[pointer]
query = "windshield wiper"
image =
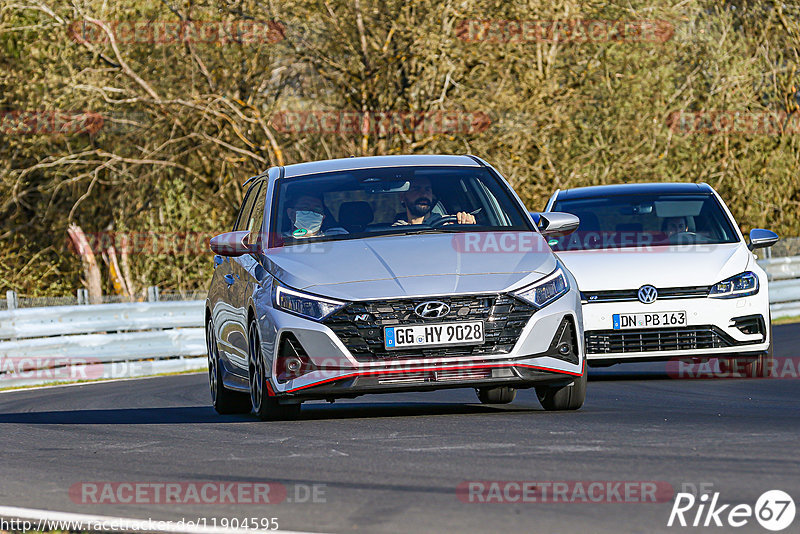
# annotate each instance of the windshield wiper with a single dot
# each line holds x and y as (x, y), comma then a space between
(462, 228)
(427, 231)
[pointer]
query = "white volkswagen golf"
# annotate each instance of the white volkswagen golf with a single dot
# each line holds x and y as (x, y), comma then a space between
(664, 273)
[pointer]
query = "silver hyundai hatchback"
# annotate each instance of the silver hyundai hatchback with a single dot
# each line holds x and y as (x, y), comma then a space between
(388, 274)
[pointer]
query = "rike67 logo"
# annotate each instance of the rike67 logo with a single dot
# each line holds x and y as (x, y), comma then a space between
(774, 510)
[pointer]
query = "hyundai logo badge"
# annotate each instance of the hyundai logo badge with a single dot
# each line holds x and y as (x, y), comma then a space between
(432, 309)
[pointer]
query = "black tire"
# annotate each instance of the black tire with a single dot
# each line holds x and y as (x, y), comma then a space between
(569, 397)
(267, 408)
(759, 366)
(499, 395)
(224, 400)
(766, 362)
(728, 366)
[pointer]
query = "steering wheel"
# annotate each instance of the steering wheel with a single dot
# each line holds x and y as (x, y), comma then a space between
(681, 238)
(444, 219)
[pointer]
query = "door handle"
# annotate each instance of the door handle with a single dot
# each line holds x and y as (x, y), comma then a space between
(229, 279)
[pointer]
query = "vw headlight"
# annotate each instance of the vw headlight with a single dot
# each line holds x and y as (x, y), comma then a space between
(546, 290)
(741, 285)
(310, 306)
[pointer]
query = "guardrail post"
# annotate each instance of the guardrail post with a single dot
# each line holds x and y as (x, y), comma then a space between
(83, 296)
(11, 300)
(153, 294)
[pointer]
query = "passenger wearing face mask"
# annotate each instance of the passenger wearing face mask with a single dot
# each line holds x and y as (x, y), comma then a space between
(307, 214)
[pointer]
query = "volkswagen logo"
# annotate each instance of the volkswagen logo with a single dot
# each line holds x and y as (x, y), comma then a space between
(432, 309)
(647, 294)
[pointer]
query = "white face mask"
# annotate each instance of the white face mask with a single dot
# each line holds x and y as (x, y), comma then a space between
(308, 220)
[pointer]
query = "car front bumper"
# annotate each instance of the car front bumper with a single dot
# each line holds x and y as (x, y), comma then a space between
(336, 372)
(712, 329)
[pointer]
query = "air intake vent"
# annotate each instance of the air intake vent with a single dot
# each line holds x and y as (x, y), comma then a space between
(750, 324)
(565, 343)
(407, 378)
(656, 339)
(463, 374)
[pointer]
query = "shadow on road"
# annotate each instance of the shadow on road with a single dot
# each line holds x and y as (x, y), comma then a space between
(627, 376)
(416, 409)
(123, 416)
(203, 414)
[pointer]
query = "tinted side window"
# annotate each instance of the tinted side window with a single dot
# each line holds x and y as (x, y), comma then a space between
(243, 220)
(256, 218)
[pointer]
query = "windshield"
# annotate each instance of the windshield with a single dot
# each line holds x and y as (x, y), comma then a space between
(392, 201)
(643, 220)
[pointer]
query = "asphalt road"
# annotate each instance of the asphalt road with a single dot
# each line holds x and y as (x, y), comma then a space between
(393, 463)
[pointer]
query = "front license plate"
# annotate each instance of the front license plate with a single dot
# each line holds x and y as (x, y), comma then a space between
(431, 335)
(622, 321)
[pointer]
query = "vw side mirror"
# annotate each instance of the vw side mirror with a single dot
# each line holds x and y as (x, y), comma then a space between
(760, 238)
(555, 223)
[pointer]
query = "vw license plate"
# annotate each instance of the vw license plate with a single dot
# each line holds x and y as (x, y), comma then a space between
(621, 321)
(427, 335)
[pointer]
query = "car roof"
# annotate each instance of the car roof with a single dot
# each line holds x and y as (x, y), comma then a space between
(672, 188)
(371, 162)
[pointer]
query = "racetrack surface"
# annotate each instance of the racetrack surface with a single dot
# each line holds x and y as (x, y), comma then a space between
(392, 463)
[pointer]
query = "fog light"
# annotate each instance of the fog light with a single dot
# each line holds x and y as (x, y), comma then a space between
(292, 361)
(293, 365)
(564, 345)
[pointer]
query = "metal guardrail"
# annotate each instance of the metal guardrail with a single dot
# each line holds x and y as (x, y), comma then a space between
(67, 343)
(781, 268)
(88, 319)
(154, 294)
(784, 285)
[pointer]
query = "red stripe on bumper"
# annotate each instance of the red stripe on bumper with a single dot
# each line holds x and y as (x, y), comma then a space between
(450, 368)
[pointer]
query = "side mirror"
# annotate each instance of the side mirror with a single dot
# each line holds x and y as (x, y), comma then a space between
(760, 238)
(555, 223)
(231, 244)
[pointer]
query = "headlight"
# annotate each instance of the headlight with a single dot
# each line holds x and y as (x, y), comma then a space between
(741, 285)
(546, 290)
(310, 306)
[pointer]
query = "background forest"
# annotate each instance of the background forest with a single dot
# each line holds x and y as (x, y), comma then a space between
(152, 135)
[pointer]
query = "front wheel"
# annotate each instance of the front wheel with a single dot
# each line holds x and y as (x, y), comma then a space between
(748, 366)
(267, 408)
(569, 397)
(499, 395)
(223, 399)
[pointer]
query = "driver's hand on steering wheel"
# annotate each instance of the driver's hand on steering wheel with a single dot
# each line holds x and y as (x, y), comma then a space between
(465, 218)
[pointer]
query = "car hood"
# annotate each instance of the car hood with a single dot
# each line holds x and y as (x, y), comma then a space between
(408, 266)
(667, 266)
